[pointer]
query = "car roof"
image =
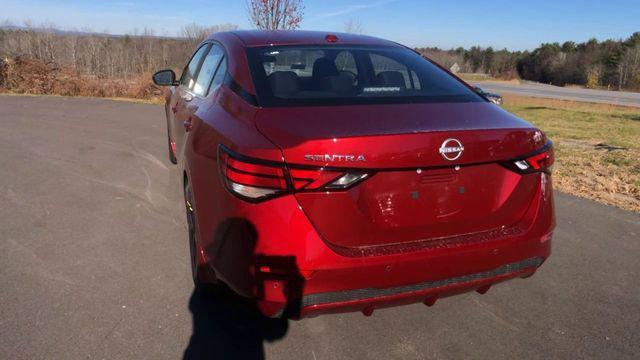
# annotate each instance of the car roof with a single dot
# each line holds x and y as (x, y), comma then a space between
(257, 38)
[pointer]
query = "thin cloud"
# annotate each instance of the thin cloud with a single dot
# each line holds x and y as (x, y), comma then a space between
(353, 8)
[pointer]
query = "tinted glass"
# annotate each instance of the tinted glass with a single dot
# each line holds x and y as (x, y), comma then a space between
(220, 74)
(189, 72)
(335, 75)
(385, 66)
(346, 64)
(207, 70)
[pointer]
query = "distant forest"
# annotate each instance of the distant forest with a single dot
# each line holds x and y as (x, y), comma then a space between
(46, 60)
(613, 64)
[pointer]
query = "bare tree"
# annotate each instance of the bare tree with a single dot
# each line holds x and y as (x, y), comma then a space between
(100, 55)
(353, 26)
(629, 66)
(195, 33)
(275, 14)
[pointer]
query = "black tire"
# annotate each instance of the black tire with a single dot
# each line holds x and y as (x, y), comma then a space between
(196, 272)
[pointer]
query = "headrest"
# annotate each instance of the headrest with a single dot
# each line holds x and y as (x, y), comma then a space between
(390, 78)
(324, 67)
(284, 83)
(338, 84)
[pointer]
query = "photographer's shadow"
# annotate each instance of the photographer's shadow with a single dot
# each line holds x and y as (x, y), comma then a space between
(227, 326)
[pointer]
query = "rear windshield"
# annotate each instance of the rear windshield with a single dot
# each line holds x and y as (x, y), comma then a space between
(347, 75)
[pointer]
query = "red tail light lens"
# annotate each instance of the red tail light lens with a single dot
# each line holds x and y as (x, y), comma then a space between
(251, 181)
(541, 161)
(256, 180)
(312, 179)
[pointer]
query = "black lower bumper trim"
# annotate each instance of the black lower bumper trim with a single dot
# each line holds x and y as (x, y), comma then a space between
(372, 293)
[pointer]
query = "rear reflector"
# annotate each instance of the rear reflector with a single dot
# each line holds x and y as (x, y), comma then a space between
(257, 180)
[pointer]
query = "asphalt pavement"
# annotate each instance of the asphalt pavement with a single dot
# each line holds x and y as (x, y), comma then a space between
(563, 93)
(94, 264)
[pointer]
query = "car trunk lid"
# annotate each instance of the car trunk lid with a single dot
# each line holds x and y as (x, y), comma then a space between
(434, 170)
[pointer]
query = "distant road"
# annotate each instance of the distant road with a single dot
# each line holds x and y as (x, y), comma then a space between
(556, 92)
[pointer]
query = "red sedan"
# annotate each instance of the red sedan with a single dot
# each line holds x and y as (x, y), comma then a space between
(328, 173)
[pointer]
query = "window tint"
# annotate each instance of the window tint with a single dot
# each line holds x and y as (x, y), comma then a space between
(207, 70)
(299, 62)
(346, 64)
(345, 75)
(220, 74)
(189, 73)
(385, 67)
(416, 81)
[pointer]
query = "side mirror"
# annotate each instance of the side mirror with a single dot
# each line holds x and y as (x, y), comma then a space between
(165, 78)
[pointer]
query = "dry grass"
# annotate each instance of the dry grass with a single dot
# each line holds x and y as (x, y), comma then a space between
(28, 76)
(475, 78)
(597, 147)
(472, 77)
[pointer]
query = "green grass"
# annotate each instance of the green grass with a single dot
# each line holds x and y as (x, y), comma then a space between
(597, 147)
(617, 127)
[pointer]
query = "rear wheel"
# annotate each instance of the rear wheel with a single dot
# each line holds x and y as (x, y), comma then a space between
(198, 271)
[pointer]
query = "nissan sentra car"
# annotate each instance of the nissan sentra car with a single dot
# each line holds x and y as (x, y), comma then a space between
(329, 173)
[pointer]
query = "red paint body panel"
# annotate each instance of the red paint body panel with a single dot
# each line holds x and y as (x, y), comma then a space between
(418, 130)
(418, 227)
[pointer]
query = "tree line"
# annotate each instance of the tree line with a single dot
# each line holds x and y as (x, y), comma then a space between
(614, 64)
(102, 55)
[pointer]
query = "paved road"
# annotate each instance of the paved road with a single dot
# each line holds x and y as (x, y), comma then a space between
(556, 92)
(94, 264)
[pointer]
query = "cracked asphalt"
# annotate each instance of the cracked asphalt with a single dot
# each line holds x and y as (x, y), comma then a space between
(94, 264)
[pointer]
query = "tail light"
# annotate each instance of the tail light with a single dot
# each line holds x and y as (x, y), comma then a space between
(540, 161)
(257, 180)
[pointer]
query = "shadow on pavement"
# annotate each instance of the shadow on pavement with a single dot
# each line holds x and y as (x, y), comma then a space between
(227, 326)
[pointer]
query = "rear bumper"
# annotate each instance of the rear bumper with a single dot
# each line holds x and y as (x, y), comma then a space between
(366, 300)
(372, 293)
(381, 282)
(271, 251)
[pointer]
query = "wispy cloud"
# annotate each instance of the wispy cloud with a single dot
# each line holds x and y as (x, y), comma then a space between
(348, 9)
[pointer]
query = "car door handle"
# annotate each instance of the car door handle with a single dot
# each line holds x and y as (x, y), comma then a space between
(188, 125)
(187, 97)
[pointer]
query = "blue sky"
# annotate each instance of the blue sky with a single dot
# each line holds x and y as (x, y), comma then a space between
(514, 24)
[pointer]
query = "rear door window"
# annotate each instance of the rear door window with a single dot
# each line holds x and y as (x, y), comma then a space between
(190, 71)
(220, 74)
(207, 70)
